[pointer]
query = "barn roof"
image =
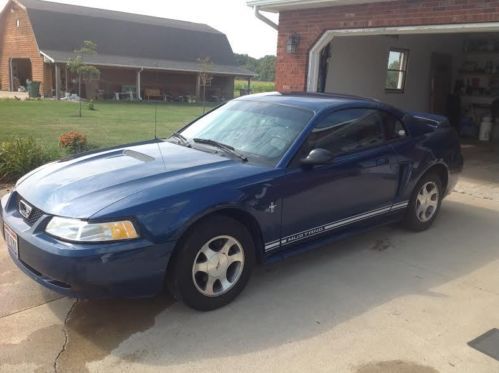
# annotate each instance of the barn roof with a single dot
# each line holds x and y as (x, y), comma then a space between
(129, 40)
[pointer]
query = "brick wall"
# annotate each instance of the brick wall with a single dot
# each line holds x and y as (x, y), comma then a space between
(19, 42)
(291, 69)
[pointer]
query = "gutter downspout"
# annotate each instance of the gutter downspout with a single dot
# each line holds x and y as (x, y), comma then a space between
(264, 19)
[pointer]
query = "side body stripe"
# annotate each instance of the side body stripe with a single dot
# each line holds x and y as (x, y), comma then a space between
(270, 246)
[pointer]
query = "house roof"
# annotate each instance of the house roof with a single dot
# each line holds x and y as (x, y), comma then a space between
(283, 5)
(129, 40)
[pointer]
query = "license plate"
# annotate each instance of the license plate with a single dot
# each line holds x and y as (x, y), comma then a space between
(11, 240)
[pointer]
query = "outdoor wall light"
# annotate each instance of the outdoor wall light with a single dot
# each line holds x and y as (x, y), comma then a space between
(292, 45)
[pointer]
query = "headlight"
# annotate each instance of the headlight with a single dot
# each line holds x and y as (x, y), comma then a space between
(79, 230)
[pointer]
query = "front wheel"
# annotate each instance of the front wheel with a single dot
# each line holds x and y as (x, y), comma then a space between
(213, 264)
(425, 203)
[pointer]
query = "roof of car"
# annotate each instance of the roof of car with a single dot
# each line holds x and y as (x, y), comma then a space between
(311, 101)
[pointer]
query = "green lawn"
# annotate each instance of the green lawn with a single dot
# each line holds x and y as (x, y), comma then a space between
(112, 123)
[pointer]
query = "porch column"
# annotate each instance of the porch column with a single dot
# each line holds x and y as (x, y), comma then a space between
(198, 87)
(139, 97)
(11, 76)
(57, 81)
(249, 85)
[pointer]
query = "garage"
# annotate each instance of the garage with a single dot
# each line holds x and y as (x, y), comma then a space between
(452, 74)
(438, 56)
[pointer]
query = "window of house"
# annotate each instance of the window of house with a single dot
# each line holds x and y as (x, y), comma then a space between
(397, 70)
(18, 22)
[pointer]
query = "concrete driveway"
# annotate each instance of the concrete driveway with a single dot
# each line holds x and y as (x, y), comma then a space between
(386, 301)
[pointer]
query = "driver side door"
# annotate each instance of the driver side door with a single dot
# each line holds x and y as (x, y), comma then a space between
(359, 184)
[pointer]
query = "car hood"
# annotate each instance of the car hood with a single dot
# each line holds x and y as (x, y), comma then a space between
(82, 186)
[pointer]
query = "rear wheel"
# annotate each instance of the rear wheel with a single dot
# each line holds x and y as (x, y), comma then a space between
(213, 264)
(425, 203)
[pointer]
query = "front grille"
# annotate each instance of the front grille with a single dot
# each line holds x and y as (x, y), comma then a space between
(35, 214)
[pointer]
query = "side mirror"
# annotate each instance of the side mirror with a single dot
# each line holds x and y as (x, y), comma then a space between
(317, 156)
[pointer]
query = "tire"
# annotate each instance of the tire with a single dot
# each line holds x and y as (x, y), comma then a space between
(213, 263)
(425, 203)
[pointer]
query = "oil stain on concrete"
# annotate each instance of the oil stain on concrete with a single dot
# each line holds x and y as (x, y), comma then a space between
(95, 328)
(395, 366)
(381, 245)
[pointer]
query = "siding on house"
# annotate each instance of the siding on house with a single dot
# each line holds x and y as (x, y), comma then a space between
(310, 24)
(19, 42)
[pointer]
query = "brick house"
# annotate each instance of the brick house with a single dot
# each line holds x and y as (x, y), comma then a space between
(410, 53)
(147, 56)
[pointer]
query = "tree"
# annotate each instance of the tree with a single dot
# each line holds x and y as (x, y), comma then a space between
(266, 68)
(205, 76)
(263, 67)
(77, 65)
(393, 75)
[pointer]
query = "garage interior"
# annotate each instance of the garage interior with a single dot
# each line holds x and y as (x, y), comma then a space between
(453, 74)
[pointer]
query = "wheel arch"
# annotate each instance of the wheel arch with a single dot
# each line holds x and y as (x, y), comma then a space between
(234, 212)
(441, 170)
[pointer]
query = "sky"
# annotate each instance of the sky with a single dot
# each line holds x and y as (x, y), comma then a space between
(247, 35)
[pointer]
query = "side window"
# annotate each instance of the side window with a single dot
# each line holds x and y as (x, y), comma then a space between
(348, 130)
(394, 129)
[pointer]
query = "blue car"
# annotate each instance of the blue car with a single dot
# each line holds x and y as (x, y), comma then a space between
(257, 179)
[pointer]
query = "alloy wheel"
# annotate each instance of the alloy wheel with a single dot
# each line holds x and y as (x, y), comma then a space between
(427, 201)
(218, 266)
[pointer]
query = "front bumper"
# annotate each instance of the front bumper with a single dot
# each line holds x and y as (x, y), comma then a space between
(126, 269)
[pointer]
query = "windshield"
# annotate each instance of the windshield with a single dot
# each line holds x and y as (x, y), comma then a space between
(256, 129)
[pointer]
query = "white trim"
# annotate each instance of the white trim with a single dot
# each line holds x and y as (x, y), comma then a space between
(400, 205)
(325, 39)
(311, 232)
(45, 55)
(273, 244)
(18, 4)
(279, 5)
(358, 218)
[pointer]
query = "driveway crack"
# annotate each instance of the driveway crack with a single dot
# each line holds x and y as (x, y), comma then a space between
(66, 335)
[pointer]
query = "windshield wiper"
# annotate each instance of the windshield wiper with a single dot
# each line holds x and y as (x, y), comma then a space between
(226, 148)
(181, 138)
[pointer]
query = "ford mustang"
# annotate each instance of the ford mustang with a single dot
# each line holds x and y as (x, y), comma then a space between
(257, 179)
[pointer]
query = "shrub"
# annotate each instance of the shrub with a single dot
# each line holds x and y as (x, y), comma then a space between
(20, 156)
(73, 142)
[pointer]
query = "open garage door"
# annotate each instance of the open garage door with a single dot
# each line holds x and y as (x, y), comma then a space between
(413, 72)
(444, 72)
(414, 68)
